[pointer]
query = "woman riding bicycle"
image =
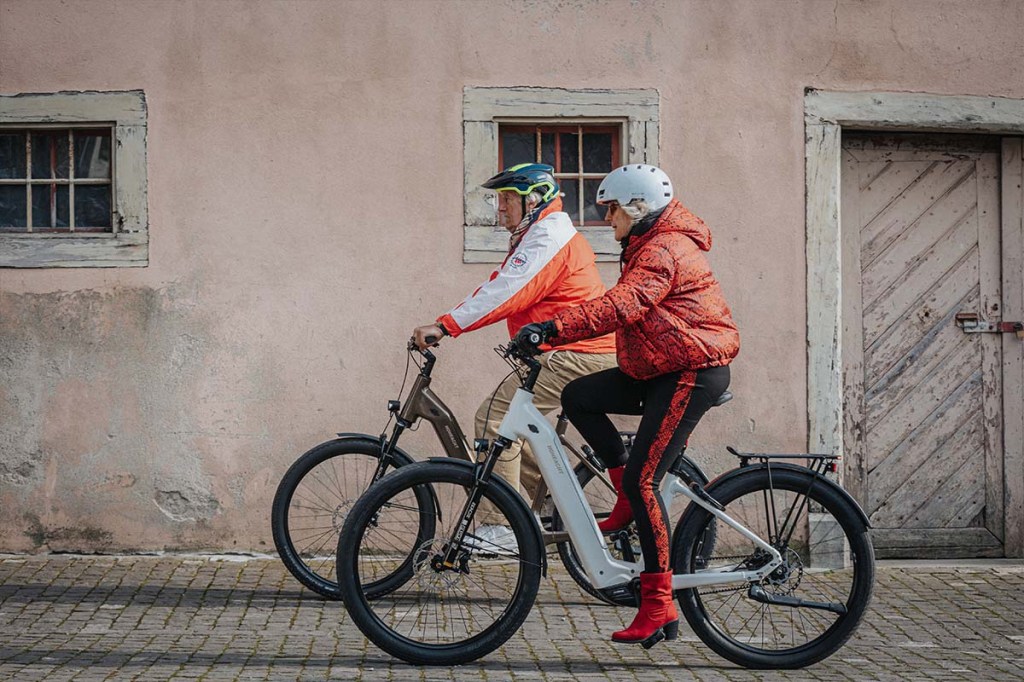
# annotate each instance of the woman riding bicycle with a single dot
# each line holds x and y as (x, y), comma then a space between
(674, 340)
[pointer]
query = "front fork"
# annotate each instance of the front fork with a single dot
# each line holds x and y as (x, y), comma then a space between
(450, 556)
(387, 451)
(387, 456)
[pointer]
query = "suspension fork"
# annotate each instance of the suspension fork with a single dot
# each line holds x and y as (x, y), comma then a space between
(387, 452)
(481, 480)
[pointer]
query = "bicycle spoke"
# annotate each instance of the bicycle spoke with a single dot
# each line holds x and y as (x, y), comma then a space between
(437, 604)
(798, 604)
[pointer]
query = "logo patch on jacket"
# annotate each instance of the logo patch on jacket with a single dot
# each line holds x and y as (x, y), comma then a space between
(518, 261)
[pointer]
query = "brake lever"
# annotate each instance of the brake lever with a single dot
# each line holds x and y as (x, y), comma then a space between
(433, 341)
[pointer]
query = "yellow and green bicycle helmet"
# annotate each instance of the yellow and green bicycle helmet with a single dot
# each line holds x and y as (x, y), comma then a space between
(525, 178)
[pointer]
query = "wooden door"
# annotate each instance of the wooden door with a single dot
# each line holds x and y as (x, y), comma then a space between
(922, 398)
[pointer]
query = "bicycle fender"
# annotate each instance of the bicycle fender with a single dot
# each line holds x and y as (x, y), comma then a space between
(377, 440)
(729, 475)
(507, 487)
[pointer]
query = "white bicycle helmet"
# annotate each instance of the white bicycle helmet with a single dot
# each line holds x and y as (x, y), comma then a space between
(637, 181)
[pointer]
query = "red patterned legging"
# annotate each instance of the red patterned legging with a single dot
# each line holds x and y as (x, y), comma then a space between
(671, 405)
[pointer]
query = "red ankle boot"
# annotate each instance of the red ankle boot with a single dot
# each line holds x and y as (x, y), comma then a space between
(657, 618)
(621, 513)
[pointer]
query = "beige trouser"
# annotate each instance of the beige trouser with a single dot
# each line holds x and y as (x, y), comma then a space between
(517, 465)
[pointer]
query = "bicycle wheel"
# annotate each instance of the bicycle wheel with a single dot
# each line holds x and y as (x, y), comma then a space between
(810, 605)
(443, 615)
(312, 501)
(602, 498)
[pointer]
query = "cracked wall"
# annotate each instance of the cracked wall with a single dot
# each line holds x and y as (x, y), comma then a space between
(305, 201)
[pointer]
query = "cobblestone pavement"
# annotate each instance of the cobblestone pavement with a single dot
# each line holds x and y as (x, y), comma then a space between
(228, 618)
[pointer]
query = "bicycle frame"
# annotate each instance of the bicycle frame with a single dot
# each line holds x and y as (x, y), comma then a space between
(423, 403)
(525, 421)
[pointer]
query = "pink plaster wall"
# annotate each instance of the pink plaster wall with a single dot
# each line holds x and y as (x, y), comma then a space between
(305, 175)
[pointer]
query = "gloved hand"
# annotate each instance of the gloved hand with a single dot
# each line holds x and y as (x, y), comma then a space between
(532, 335)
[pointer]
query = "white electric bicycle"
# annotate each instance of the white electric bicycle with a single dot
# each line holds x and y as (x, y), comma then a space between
(773, 562)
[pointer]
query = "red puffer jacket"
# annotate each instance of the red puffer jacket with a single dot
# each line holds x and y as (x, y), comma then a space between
(667, 307)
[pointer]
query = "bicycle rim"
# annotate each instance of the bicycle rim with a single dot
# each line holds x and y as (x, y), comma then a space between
(439, 614)
(312, 502)
(809, 606)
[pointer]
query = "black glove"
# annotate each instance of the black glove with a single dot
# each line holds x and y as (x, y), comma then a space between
(532, 335)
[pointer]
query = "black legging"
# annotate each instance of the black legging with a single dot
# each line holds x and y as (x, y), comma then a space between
(671, 405)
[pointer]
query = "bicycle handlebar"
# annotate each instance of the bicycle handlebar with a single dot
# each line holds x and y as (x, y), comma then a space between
(425, 352)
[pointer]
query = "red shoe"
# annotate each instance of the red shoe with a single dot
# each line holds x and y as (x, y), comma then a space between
(621, 514)
(657, 618)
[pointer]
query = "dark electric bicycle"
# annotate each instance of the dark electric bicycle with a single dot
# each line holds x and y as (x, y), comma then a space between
(317, 492)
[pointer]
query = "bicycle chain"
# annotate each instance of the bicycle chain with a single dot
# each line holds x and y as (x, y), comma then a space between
(721, 590)
(741, 557)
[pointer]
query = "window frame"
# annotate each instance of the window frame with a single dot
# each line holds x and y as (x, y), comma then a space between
(127, 244)
(485, 108)
(614, 126)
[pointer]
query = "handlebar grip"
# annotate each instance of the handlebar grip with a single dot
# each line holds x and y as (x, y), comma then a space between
(431, 339)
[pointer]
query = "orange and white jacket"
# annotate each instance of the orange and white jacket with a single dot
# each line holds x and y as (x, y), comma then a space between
(551, 268)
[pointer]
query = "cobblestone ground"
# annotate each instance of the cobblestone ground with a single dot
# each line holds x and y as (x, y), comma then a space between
(202, 618)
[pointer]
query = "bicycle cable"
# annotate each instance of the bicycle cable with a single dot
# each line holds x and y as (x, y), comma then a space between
(490, 403)
(405, 378)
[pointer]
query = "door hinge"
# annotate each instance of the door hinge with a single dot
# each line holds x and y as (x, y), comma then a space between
(971, 323)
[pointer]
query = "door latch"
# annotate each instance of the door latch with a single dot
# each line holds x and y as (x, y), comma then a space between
(971, 323)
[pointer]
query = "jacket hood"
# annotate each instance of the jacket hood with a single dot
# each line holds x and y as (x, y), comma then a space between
(677, 218)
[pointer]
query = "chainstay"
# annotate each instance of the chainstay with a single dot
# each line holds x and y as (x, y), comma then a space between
(722, 590)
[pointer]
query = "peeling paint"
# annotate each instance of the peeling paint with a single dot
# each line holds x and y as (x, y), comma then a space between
(189, 505)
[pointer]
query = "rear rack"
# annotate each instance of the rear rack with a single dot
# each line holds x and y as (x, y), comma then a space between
(820, 463)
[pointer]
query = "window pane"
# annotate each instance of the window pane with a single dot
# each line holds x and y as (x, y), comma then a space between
(597, 152)
(570, 150)
(518, 148)
(593, 213)
(50, 155)
(92, 206)
(92, 154)
(570, 201)
(50, 206)
(12, 155)
(12, 208)
(547, 149)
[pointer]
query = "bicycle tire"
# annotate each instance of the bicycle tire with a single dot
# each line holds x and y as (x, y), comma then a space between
(567, 553)
(364, 517)
(837, 517)
(306, 563)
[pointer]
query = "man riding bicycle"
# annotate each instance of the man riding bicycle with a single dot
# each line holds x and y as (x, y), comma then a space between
(549, 266)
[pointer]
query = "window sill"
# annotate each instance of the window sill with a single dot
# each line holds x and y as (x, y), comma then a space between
(125, 249)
